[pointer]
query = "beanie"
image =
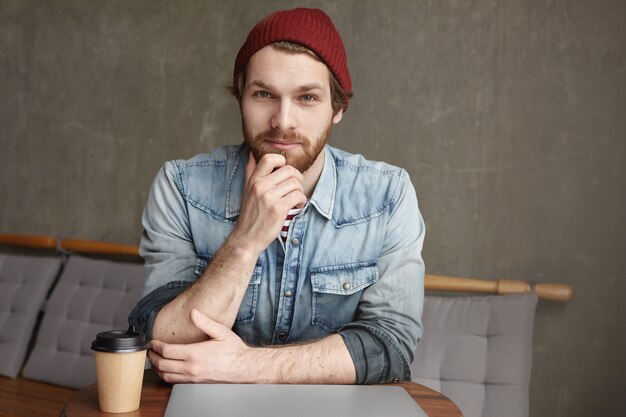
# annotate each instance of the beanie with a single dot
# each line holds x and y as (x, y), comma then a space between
(311, 28)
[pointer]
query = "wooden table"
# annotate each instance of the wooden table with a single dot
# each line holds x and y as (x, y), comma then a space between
(155, 394)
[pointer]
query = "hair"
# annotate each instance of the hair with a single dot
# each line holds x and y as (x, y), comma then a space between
(339, 97)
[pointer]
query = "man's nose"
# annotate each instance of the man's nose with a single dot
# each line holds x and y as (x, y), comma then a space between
(284, 117)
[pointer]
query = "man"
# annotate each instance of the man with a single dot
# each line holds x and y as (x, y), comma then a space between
(283, 260)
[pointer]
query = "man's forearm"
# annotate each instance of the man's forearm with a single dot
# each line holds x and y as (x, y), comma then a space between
(217, 294)
(326, 361)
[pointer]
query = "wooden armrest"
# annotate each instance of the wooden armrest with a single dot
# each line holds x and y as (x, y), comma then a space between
(29, 241)
(554, 292)
(95, 247)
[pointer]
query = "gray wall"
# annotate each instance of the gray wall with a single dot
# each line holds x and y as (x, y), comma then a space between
(509, 116)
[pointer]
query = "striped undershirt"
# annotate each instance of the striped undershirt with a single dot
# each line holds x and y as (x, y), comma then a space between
(290, 215)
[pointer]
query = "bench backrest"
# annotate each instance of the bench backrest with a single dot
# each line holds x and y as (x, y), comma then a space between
(477, 351)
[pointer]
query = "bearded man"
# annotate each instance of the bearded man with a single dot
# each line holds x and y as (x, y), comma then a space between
(283, 259)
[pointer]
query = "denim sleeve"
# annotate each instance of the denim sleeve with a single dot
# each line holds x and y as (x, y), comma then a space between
(383, 337)
(166, 246)
(143, 315)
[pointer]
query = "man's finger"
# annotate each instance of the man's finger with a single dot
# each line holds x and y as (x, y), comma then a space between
(295, 199)
(165, 365)
(267, 164)
(169, 351)
(286, 172)
(174, 378)
(209, 326)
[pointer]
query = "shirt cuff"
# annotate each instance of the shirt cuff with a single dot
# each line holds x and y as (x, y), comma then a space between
(377, 358)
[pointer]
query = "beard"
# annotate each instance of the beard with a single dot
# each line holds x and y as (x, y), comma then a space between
(302, 159)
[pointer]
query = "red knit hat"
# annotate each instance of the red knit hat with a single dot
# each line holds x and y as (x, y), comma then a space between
(311, 28)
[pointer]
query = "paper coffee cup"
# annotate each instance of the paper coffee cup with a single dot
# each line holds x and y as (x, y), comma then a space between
(120, 360)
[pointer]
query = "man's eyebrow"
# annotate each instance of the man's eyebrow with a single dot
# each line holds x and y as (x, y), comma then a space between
(260, 84)
(301, 89)
(309, 87)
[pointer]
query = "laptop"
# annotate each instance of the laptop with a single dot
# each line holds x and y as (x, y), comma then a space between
(238, 400)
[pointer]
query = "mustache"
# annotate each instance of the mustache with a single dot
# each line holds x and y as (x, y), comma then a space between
(280, 136)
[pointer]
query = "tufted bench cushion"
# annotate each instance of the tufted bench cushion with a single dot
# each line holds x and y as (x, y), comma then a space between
(24, 283)
(477, 351)
(91, 296)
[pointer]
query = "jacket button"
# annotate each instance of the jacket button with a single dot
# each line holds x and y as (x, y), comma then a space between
(288, 293)
(282, 336)
(295, 241)
(346, 285)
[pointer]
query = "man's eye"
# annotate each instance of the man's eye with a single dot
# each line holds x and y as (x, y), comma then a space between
(262, 94)
(308, 98)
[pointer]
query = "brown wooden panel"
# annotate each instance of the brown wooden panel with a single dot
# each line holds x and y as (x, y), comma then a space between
(554, 292)
(101, 248)
(28, 241)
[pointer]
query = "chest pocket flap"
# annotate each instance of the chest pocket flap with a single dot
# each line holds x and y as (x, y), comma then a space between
(344, 279)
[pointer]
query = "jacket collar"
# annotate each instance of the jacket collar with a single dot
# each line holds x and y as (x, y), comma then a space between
(323, 198)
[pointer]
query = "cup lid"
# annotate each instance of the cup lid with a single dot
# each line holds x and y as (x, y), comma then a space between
(120, 341)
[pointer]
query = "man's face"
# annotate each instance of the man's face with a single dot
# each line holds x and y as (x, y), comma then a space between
(286, 106)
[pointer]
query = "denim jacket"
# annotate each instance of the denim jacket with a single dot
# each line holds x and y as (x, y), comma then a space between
(351, 263)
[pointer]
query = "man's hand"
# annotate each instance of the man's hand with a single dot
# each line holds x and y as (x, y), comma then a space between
(215, 360)
(272, 188)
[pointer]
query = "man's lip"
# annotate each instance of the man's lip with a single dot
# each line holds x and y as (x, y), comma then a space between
(282, 144)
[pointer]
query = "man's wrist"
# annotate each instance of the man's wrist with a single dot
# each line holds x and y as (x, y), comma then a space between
(243, 248)
(253, 366)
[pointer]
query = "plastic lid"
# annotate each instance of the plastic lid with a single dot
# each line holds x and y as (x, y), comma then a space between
(120, 341)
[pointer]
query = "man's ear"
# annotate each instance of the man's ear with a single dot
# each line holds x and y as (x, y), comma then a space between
(337, 117)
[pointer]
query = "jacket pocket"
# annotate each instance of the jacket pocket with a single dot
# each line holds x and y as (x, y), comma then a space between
(247, 309)
(337, 291)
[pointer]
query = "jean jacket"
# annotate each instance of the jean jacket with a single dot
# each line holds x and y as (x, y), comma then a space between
(351, 263)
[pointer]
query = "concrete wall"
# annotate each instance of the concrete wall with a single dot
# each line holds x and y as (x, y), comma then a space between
(509, 116)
